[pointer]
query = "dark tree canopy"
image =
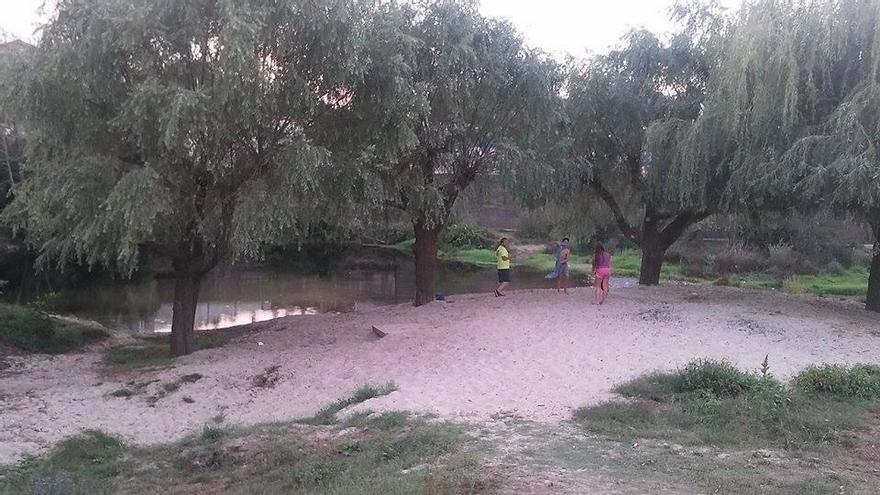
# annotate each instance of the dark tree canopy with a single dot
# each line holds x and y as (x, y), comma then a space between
(624, 112)
(450, 95)
(183, 128)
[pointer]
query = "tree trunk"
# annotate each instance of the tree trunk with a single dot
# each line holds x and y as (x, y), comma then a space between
(873, 302)
(427, 243)
(186, 295)
(653, 251)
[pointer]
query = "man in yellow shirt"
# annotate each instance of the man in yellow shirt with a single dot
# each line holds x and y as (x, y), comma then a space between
(503, 257)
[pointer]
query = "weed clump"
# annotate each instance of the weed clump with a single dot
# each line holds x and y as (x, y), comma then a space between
(859, 381)
(35, 331)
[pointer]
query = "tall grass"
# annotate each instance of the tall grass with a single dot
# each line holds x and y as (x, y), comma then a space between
(712, 402)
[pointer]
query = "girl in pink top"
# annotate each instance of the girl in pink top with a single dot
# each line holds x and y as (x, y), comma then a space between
(601, 273)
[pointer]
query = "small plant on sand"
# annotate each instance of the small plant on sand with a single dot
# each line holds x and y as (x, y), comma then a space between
(327, 416)
(765, 367)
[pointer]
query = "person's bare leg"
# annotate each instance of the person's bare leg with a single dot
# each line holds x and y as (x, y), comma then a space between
(564, 283)
(558, 283)
(502, 286)
(597, 288)
(604, 290)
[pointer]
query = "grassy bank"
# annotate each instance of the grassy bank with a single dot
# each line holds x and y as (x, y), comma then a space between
(370, 453)
(34, 331)
(155, 351)
(851, 281)
(626, 262)
(722, 430)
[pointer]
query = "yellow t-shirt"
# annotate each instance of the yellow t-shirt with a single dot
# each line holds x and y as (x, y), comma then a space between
(503, 258)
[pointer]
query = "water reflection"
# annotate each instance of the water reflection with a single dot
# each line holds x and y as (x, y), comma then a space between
(234, 296)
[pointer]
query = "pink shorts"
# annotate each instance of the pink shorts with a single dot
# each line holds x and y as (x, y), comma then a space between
(603, 272)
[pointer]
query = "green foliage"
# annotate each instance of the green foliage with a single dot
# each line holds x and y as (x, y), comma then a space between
(450, 95)
(327, 415)
(858, 381)
(183, 129)
(708, 402)
(80, 464)
(276, 458)
(154, 352)
(468, 235)
(35, 331)
(738, 259)
(718, 378)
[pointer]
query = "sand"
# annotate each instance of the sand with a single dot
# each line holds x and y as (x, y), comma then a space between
(536, 354)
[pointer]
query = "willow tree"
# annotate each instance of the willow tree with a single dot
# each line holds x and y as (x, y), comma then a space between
(809, 75)
(615, 150)
(179, 128)
(13, 55)
(449, 95)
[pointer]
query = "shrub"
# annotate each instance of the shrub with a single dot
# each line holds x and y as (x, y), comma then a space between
(862, 256)
(782, 260)
(468, 235)
(720, 378)
(535, 225)
(794, 285)
(35, 331)
(738, 259)
(26, 328)
(859, 381)
(835, 268)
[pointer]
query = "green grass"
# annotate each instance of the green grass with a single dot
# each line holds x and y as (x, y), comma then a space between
(713, 403)
(481, 257)
(327, 415)
(626, 263)
(155, 351)
(852, 282)
(377, 457)
(34, 331)
(858, 381)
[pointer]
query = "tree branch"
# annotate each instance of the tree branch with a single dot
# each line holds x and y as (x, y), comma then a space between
(628, 230)
(680, 223)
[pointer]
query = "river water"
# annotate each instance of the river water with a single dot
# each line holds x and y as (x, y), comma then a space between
(233, 296)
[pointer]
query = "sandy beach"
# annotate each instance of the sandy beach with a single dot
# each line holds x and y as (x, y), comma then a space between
(536, 354)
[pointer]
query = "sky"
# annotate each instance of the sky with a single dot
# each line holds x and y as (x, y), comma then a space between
(561, 27)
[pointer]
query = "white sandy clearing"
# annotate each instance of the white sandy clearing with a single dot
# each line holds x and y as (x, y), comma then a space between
(537, 354)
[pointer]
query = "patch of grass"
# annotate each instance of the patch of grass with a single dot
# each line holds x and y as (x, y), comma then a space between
(858, 381)
(90, 462)
(35, 331)
(713, 403)
(416, 456)
(327, 415)
(381, 421)
(155, 351)
(851, 282)
(481, 257)
(212, 433)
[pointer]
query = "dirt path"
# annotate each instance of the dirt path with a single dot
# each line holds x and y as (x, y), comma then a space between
(535, 354)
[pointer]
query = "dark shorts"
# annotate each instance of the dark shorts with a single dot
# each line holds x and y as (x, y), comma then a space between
(504, 275)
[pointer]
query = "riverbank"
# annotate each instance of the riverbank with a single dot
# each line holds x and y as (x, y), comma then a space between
(534, 354)
(846, 282)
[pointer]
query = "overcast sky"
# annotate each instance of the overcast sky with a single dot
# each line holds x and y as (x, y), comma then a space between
(558, 26)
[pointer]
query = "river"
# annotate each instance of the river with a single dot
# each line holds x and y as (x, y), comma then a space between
(233, 295)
